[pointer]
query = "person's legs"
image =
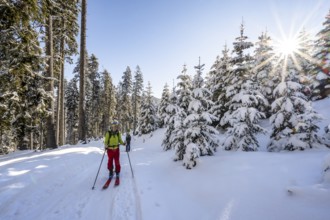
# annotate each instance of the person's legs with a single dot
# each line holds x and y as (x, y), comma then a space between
(117, 162)
(111, 155)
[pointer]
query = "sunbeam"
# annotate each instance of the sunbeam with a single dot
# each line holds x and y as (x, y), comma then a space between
(289, 49)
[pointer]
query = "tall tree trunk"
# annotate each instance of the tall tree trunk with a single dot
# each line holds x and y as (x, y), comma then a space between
(61, 95)
(135, 116)
(81, 126)
(106, 116)
(31, 140)
(41, 135)
(58, 112)
(1, 137)
(50, 139)
(63, 114)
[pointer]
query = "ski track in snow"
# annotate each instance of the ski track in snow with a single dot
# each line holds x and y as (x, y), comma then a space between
(125, 203)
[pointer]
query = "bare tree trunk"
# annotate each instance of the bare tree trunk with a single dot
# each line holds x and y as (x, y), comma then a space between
(135, 115)
(58, 112)
(41, 135)
(1, 137)
(50, 139)
(106, 116)
(64, 119)
(61, 95)
(31, 140)
(81, 126)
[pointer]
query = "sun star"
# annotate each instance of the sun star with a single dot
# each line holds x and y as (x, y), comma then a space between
(287, 47)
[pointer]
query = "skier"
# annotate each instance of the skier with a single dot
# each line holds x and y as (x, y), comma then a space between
(112, 141)
(128, 142)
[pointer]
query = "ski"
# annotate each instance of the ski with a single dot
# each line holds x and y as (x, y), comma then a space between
(107, 183)
(117, 181)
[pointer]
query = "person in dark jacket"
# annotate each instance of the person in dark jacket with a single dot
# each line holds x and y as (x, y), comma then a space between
(128, 142)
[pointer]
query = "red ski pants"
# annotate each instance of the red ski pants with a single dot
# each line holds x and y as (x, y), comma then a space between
(113, 155)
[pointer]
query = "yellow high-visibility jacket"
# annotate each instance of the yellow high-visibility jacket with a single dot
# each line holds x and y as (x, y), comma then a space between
(112, 139)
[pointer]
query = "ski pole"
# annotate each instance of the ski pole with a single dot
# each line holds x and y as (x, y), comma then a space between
(98, 170)
(130, 164)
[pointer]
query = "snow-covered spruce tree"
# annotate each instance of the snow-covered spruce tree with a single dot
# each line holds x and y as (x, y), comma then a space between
(306, 121)
(321, 71)
(184, 89)
(21, 64)
(184, 98)
(199, 137)
(119, 103)
(37, 109)
(293, 119)
(93, 97)
(284, 119)
(126, 107)
(264, 62)
(304, 61)
(72, 97)
(177, 136)
(244, 121)
(241, 70)
(211, 78)
(108, 101)
(245, 101)
(164, 102)
(6, 135)
(6, 93)
(216, 83)
(148, 117)
(137, 96)
(172, 111)
(307, 128)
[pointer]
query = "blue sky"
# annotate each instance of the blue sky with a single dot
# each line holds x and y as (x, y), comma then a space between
(162, 35)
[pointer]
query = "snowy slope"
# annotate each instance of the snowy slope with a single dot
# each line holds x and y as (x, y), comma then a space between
(56, 184)
(233, 185)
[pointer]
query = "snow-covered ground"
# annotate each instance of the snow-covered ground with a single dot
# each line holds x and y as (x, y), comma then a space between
(57, 184)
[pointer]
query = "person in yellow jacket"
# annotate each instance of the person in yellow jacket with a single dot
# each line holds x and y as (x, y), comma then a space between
(112, 141)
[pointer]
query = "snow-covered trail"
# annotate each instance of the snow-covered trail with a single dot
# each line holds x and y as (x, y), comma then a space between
(57, 184)
(63, 179)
